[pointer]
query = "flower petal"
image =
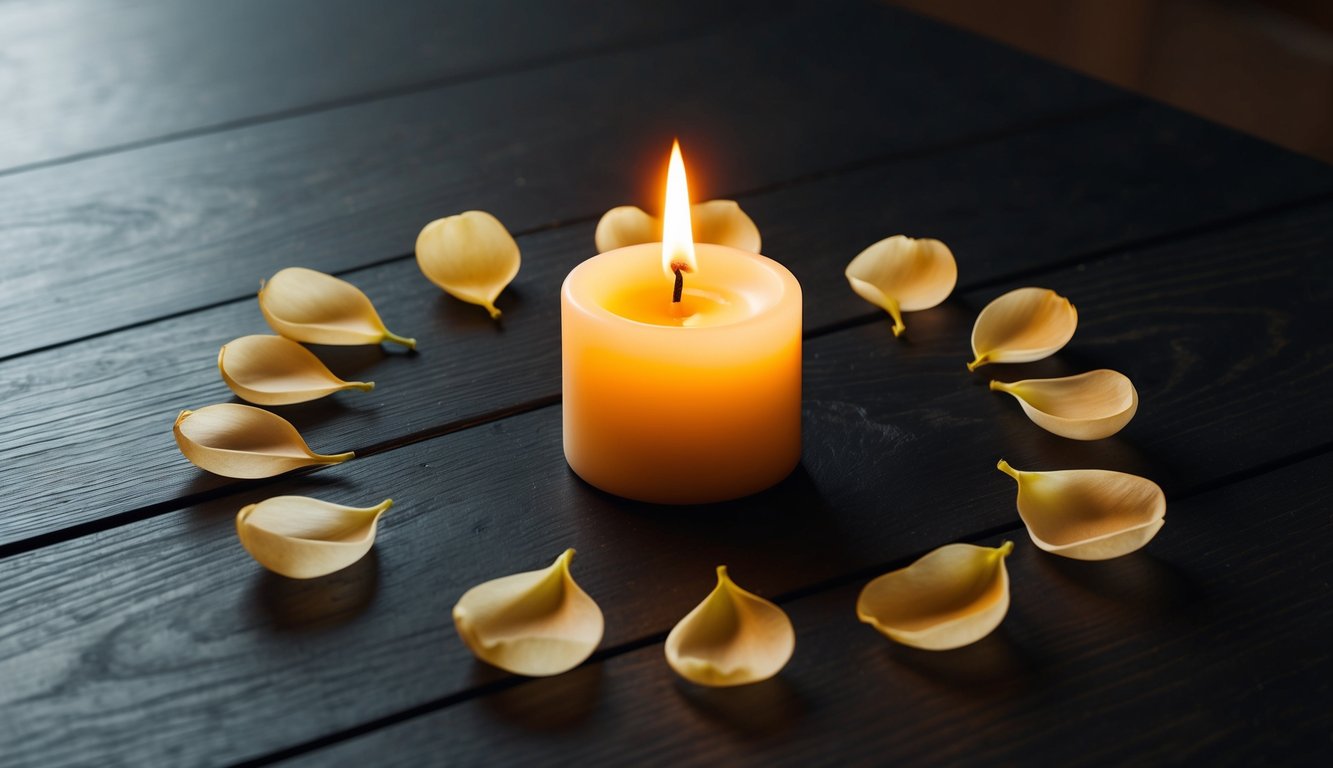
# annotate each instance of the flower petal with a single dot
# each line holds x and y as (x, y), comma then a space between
(903, 274)
(536, 623)
(949, 598)
(272, 370)
(721, 222)
(1023, 325)
(471, 256)
(242, 441)
(1089, 406)
(732, 638)
(1088, 514)
(305, 305)
(303, 538)
(624, 226)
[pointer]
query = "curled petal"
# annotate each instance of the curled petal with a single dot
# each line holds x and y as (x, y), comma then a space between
(626, 225)
(272, 370)
(242, 441)
(1088, 406)
(903, 274)
(949, 598)
(303, 538)
(305, 305)
(537, 623)
(1088, 514)
(1023, 325)
(732, 638)
(721, 222)
(470, 256)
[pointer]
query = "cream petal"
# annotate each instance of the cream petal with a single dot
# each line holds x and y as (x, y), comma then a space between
(1023, 325)
(903, 274)
(1089, 406)
(1088, 514)
(305, 305)
(537, 623)
(732, 638)
(303, 538)
(951, 597)
(471, 256)
(721, 222)
(624, 226)
(242, 441)
(273, 370)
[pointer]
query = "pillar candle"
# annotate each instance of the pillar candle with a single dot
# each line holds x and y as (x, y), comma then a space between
(681, 402)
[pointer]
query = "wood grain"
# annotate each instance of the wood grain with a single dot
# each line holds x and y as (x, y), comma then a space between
(1196, 650)
(87, 424)
(135, 236)
(163, 629)
(88, 76)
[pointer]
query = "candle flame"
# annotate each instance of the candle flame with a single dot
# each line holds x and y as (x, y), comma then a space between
(677, 231)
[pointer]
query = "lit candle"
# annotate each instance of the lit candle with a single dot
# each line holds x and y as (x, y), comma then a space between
(682, 366)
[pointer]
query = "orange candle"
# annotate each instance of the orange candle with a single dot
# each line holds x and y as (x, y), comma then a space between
(682, 401)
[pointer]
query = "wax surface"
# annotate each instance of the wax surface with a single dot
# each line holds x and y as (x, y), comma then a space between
(687, 404)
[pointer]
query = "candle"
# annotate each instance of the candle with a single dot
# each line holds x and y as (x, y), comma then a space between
(682, 366)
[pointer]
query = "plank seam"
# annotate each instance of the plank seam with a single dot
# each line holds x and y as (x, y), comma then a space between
(827, 585)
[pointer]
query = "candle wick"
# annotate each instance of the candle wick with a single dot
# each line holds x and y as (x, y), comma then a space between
(680, 286)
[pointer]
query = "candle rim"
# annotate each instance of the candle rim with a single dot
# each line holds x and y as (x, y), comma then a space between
(785, 281)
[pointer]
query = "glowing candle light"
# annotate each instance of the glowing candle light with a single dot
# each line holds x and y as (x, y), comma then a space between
(682, 366)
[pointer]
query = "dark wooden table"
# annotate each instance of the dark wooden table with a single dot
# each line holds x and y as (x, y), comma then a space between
(159, 158)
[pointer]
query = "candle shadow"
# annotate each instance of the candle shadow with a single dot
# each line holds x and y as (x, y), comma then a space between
(767, 539)
(791, 507)
(769, 707)
(546, 704)
(311, 605)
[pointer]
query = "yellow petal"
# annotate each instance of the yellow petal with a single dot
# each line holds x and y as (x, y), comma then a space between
(947, 599)
(471, 256)
(903, 274)
(624, 226)
(272, 370)
(242, 441)
(1023, 325)
(732, 638)
(1088, 514)
(1088, 406)
(721, 222)
(305, 305)
(303, 538)
(537, 623)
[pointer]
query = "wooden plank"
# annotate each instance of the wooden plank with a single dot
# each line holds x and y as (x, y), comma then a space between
(1212, 646)
(87, 425)
(82, 77)
(126, 238)
(165, 629)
